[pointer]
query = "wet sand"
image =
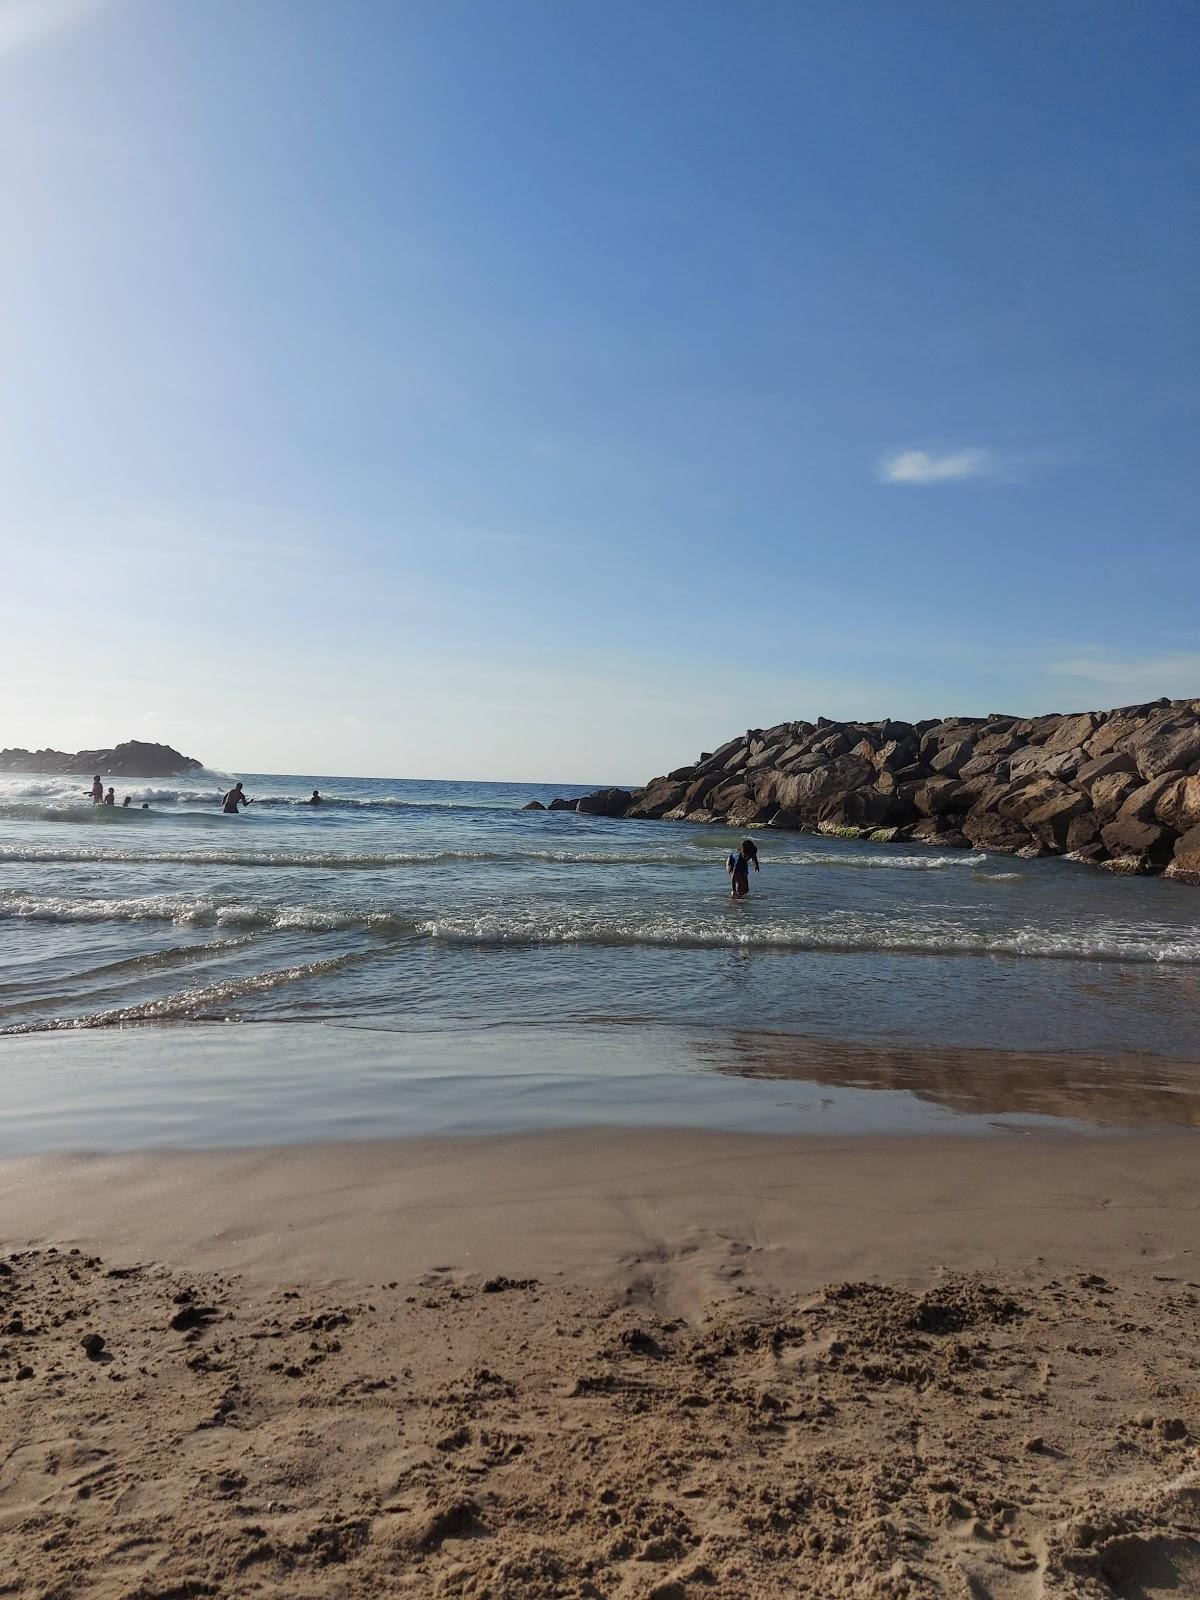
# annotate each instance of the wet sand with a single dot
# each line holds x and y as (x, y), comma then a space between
(606, 1364)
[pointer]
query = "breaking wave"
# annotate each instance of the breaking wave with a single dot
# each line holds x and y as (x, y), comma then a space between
(836, 933)
(350, 860)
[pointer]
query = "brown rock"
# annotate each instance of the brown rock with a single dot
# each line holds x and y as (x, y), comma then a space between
(895, 754)
(1140, 803)
(1110, 793)
(1178, 806)
(725, 796)
(1129, 836)
(661, 796)
(1048, 810)
(799, 791)
(1104, 767)
(988, 830)
(1046, 763)
(1185, 863)
(1170, 745)
(951, 758)
(862, 808)
(996, 744)
(605, 803)
(1071, 732)
(983, 766)
(931, 798)
(1083, 832)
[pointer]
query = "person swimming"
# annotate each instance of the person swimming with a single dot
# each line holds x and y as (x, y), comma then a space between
(737, 865)
(128, 800)
(234, 799)
(316, 798)
(110, 799)
(97, 790)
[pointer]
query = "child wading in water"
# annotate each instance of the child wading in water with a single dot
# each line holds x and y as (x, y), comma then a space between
(737, 865)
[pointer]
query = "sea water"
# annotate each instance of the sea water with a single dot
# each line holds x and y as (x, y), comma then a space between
(423, 905)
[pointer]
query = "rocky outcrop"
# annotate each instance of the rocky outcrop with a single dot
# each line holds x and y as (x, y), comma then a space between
(133, 759)
(1118, 788)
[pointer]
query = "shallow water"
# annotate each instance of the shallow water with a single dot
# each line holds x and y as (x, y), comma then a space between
(424, 906)
(191, 1086)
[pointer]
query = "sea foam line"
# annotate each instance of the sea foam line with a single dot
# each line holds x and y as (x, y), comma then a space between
(85, 855)
(731, 930)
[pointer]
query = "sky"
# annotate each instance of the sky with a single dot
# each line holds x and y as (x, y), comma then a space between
(548, 390)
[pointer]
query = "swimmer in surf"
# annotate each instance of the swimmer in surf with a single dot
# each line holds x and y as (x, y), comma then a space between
(737, 865)
(316, 798)
(234, 799)
(110, 799)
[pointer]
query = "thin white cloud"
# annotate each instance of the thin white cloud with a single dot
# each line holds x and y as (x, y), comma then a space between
(1175, 673)
(30, 22)
(918, 466)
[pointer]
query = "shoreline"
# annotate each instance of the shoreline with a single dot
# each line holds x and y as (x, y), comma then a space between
(257, 1085)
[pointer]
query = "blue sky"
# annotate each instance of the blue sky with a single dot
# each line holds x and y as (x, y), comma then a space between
(549, 390)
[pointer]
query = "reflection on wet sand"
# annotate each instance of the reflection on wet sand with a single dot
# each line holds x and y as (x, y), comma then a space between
(1111, 1090)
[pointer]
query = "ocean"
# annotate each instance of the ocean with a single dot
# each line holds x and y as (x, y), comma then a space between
(426, 908)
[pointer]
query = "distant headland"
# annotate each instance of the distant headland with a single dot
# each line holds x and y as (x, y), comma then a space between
(133, 759)
(1118, 788)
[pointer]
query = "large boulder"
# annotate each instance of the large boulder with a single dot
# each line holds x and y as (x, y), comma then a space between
(1083, 835)
(1178, 805)
(988, 830)
(996, 743)
(984, 766)
(1141, 802)
(800, 791)
(951, 758)
(1130, 836)
(1109, 793)
(896, 754)
(605, 803)
(734, 792)
(1185, 862)
(931, 798)
(1168, 746)
(862, 808)
(1047, 810)
(1104, 767)
(661, 795)
(1071, 732)
(1048, 763)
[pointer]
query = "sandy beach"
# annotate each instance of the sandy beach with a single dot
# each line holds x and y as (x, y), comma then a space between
(605, 1364)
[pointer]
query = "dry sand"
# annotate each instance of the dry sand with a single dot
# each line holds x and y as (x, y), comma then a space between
(596, 1365)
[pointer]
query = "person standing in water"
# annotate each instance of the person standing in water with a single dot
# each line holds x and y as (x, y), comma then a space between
(110, 799)
(737, 865)
(234, 799)
(316, 798)
(97, 790)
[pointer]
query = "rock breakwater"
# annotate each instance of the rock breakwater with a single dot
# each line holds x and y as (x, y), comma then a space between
(1120, 788)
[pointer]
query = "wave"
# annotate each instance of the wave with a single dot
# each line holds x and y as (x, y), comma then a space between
(100, 855)
(146, 961)
(190, 1003)
(531, 927)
